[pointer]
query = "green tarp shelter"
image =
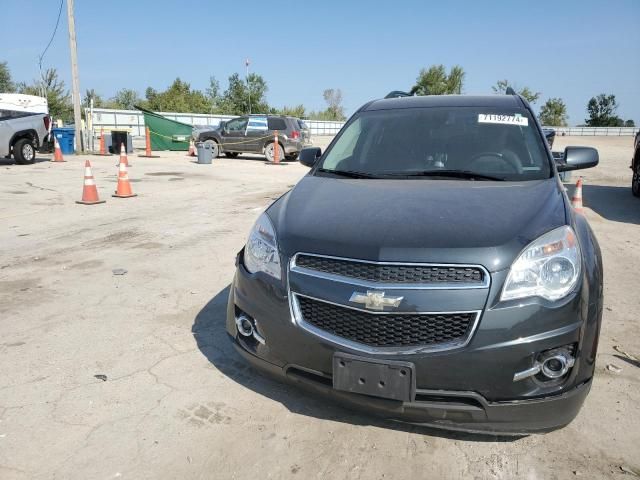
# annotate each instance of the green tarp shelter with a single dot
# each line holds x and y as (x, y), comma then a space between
(166, 134)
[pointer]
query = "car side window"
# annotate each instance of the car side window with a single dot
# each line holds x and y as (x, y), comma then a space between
(275, 123)
(237, 124)
(257, 124)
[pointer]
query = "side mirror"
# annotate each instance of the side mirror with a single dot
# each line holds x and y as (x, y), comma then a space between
(309, 156)
(577, 158)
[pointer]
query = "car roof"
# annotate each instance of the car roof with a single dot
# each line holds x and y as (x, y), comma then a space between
(498, 101)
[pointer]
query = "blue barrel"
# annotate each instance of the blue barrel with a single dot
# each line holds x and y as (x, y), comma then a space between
(65, 136)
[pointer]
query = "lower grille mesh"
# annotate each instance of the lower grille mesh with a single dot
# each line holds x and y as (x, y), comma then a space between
(387, 330)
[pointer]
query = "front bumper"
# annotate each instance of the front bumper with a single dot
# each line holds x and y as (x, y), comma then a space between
(469, 388)
(460, 411)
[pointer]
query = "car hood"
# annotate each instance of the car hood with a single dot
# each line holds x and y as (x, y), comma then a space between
(417, 220)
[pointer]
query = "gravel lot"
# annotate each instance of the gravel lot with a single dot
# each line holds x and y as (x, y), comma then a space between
(178, 402)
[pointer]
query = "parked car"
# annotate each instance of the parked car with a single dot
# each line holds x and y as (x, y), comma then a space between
(255, 134)
(635, 166)
(430, 269)
(24, 126)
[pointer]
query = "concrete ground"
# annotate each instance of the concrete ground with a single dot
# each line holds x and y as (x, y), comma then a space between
(132, 376)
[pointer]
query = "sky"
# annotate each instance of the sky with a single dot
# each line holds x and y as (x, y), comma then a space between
(572, 49)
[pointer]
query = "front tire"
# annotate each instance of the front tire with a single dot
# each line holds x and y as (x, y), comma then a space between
(269, 152)
(635, 181)
(23, 152)
(291, 158)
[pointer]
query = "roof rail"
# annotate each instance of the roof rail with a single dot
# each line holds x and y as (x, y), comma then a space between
(397, 94)
(510, 91)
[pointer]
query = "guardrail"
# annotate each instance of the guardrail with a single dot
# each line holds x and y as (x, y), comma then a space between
(596, 131)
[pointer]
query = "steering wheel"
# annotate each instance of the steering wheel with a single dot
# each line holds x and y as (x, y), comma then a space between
(508, 159)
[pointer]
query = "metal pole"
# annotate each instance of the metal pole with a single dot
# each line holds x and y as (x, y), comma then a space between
(246, 64)
(90, 125)
(75, 83)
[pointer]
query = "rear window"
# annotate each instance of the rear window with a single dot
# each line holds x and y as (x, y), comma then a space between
(276, 123)
(504, 144)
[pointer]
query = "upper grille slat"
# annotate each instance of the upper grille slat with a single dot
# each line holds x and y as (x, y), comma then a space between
(388, 330)
(394, 274)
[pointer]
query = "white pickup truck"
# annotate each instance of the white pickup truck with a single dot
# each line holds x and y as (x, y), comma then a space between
(24, 126)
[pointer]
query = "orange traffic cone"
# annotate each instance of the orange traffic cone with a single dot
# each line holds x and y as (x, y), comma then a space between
(192, 149)
(103, 148)
(57, 153)
(123, 156)
(124, 186)
(576, 201)
(276, 152)
(89, 191)
(147, 150)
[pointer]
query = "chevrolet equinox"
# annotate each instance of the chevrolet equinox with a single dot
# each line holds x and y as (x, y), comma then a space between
(429, 269)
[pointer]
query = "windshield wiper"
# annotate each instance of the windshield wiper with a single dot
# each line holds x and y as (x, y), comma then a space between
(347, 173)
(448, 173)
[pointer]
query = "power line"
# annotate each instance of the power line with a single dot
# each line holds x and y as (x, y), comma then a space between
(52, 35)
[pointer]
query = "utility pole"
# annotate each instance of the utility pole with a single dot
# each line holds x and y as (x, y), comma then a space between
(75, 82)
(246, 64)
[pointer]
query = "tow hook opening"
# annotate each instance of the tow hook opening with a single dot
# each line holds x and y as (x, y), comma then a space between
(247, 327)
(550, 365)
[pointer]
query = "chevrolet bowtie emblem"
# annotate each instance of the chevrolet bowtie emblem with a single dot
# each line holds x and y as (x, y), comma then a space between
(375, 300)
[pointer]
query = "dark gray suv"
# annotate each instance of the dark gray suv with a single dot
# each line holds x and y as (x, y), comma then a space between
(256, 134)
(430, 269)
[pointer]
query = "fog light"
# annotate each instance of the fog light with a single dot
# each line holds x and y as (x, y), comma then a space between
(556, 363)
(245, 327)
(248, 328)
(552, 364)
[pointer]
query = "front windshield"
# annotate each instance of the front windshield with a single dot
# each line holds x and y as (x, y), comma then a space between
(494, 144)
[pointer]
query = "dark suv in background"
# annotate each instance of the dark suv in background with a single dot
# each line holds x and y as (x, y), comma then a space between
(255, 134)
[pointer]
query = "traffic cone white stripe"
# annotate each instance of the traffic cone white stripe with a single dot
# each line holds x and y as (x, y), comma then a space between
(87, 172)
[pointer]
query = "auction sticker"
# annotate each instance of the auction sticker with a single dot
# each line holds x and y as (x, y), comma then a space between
(518, 120)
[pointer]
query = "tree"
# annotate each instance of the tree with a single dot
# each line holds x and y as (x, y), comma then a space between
(436, 81)
(239, 95)
(6, 84)
(602, 112)
(554, 113)
(51, 87)
(125, 99)
(213, 94)
(177, 98)
(335, 110)
(98, 102)
(528, 94)
(629, 123)
(298, 111)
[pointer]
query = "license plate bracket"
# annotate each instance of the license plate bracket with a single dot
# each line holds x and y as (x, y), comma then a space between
(394, 380)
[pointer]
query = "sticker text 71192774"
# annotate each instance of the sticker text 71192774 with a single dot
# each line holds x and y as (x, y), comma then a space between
(517, 120)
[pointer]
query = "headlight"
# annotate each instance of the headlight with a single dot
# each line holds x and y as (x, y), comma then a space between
(261, 252)
(548, 267)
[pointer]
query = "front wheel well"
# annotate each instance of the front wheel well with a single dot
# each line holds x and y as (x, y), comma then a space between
(32, 135)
